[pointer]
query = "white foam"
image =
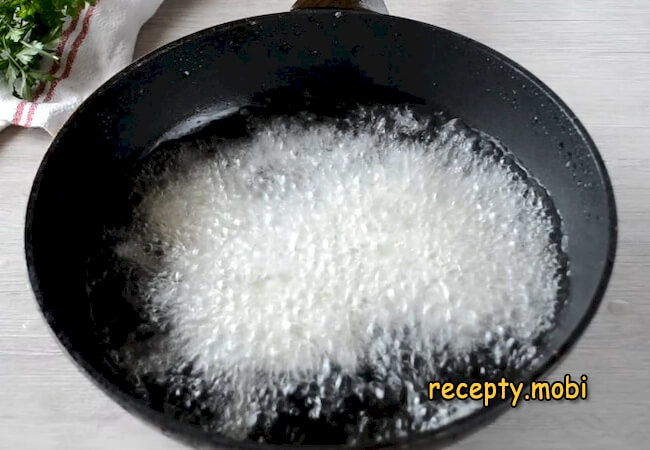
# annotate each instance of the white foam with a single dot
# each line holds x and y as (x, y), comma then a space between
(309, 247)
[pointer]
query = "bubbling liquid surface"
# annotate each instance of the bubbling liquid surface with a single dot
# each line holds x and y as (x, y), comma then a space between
(305, 284)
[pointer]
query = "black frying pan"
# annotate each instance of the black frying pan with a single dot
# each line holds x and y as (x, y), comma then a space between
(322, 60)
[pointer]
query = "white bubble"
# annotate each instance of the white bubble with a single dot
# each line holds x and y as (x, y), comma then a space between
(308, 252)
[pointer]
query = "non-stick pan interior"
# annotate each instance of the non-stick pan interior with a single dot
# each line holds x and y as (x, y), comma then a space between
(320, 61)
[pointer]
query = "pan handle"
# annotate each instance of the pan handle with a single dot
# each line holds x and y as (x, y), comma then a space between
(378, 6)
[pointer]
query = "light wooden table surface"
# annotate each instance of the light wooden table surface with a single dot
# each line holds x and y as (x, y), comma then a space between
(594, 53)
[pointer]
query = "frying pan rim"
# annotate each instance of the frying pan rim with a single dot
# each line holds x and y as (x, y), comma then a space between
(441, 436)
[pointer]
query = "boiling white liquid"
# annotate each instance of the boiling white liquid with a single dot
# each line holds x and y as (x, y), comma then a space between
(309, 248)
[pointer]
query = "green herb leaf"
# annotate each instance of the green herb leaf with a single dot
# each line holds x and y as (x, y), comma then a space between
(26, 55)
(30, 30)
(42, 76)
(11, 74)
(21, 86)
(15, 34)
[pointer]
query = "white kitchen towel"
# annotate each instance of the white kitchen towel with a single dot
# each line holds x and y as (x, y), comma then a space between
(93, 48)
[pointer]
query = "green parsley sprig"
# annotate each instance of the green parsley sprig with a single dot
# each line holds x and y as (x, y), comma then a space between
(30, 30)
